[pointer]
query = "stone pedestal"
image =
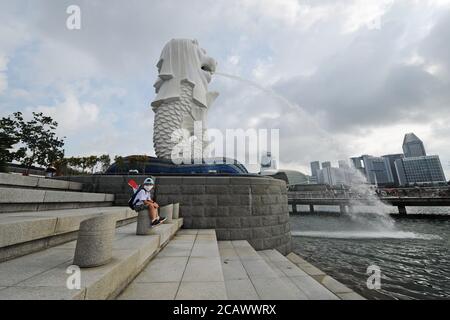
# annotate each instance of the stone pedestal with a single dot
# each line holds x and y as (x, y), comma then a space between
(95, 239)
(166, 212)
(143, 223)
(176, 211)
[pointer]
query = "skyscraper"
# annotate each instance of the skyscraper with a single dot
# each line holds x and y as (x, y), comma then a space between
(413, 146)
(420, 170)
(315, 168)
(391, 158)
(326, 164)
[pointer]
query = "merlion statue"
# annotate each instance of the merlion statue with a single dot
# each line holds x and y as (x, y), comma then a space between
(184, 71)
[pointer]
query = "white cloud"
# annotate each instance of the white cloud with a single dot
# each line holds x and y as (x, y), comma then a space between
(3, 75)
(71, 114)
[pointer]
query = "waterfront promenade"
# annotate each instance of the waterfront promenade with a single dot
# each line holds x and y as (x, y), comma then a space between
(39, 236)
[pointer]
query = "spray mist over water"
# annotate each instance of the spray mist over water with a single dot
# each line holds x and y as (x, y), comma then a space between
(369, 216)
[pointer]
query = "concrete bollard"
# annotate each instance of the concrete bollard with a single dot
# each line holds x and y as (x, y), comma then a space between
(166, 212)
(143, 223)
(176, 211)
(95, 239)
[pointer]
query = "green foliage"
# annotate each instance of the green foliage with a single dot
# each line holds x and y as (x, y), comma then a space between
(83, 165)
(36, 140)
(8, 138)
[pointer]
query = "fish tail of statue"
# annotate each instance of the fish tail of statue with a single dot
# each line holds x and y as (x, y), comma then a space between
(169, 118)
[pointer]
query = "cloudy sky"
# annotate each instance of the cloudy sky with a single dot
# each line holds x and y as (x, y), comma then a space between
(342, 78)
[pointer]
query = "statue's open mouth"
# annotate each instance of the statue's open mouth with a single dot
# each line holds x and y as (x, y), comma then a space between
(207, 68)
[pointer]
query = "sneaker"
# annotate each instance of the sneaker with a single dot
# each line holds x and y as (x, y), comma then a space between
(161, 220)
(155, 223)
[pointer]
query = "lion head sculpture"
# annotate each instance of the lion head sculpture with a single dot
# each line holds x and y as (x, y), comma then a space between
(184, 60)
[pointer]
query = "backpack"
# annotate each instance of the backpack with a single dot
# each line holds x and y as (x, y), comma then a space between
(131, 202)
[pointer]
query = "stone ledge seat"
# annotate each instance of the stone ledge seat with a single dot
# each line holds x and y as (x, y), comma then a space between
(42, 275)
(25, 232)
(19, 181)
(19, 200)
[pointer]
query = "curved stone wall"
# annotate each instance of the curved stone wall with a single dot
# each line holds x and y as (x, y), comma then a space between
(239, 208)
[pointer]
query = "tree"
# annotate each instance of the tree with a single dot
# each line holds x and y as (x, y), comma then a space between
(138, 162)
(91, 162)
(8, 138)
(38, 141)
(105, 162)
(120, 162)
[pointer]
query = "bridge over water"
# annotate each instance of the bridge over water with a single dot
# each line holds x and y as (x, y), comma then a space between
(346, 200)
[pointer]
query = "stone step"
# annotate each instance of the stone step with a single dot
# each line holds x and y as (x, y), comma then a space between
(44, 274)
(25, 232)
(288, 271)
(22, 199)
(10, 180)
(188, 268)
(340, 290)
(249, 277)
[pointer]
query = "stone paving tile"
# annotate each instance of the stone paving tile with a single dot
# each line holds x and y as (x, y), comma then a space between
(307, 284)
(312, 270)
(241, 289)
(289, 269)
(278, 271)
(186, 237)
(150, 291)
(187, 232)
(241, 244)
(177, 248)
(163, 269)
(247, 253)
(205, 249)
(312, 289)
(225, 244)
(202, 291)
(206, 231)
(335, 286)
(206, 237)
(203, 270)
(233, 270)
(259, 269)
(275, 289)
(40, 293)
(20, 269)
(351, 296)
(273, 255)
(228, 253)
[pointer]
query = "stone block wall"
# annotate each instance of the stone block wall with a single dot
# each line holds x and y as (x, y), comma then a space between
(248, 208)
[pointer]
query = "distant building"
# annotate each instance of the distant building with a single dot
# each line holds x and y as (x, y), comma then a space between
(315, 168)
(411, 168)
(425, 170)
(326, 164)
(343, 164)
(413, 146)
(291, 177)
(376, 169)
(268, 164)
(391, 158)
(336, 176)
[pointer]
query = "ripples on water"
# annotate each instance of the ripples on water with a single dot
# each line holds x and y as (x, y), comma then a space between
(413, 256)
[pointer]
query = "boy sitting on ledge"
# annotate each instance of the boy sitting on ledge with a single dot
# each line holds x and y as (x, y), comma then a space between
(143, 200)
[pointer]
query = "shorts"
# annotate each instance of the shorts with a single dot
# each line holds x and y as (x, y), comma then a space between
(140, 207)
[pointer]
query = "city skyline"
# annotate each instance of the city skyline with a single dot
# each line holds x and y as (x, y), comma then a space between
(413, 166)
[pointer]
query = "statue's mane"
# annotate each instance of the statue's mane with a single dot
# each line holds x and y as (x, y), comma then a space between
(180, 60)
